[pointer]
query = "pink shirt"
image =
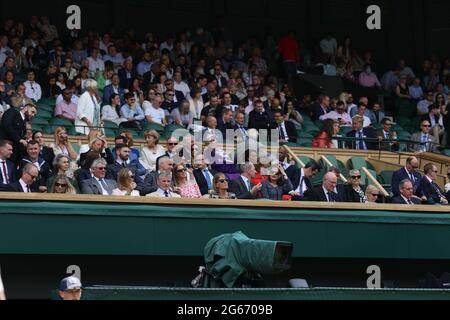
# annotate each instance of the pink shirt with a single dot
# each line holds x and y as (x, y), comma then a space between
(369, 80)
(68, 111)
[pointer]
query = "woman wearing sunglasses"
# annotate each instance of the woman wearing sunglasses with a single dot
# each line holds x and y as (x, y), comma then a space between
(62, 185)
(184, 184)
(354, 192)
(61, 166)
(220, 185)
(372, 194)
(125, 184)
(277, 185)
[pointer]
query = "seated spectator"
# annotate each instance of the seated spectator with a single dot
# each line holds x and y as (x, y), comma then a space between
(301, 179)
(242, 187)
(132, 112)
(84, 173)
(123, 161)
(129, 141)
(428, 189)
(362, 112)
(339, 115)
(185, 186)
(220, 191)
(372, 194)
(436, 120)
(240, 127)
(326, 192)
(68, 69)
(150, 184)
(27, 182)
(377, 115)
(320, 107)
(32, 89)
(354, 192)
(97, 143)
(277, 185)
(291, 114)
(115, 57)
(96, 64)
(326, 137)
(408, 172)
(152, 151)
(153, 111)
(97, 185)
(385, 133)
(259, 119)
(368, 78)
(46, 153)
(66, 109)
(44, 169)
(62, 184)
(423, 106)
(196, 103)
(111, 111)
(61, 166)
(8, 170)
(416, 91)
(203, 174)
(164, 187)
(62, 144)
(361, 134)
(402, 89)
(182, 115)
(113, 88)
(286, 129)
(126, 184)
(447, 186)
(424, 141)
(406, 194)
(225, 122)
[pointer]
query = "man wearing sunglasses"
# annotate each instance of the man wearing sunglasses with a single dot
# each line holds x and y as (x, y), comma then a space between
(408, 172)
(98, 185)
(26, 183)
(424, 141)
(428, 187)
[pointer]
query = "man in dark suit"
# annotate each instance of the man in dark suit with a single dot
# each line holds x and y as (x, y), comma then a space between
(286, 129)
(13, 128)
(26, 183)
(437, 129)
(7, 168)
(98, 185)
(428, 188)
(242, 187)
(44, 169)
(385, 133)
(259, 118)
(224, 122)
(240, 127)
(178, 95)
(361, 135)
(127, 74)
(114, 87)
(326, 192)
(123, 161)
(169, 103)
(320, 107)
(203, 174)
(45, 152)
(406, 194)
(300, 178)
(150, 183)
(408, 172)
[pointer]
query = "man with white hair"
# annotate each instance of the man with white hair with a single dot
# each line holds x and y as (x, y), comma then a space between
(326, 192)
(88, 111)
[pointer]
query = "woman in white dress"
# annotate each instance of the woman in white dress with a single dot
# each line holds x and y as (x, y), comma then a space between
(152, 151)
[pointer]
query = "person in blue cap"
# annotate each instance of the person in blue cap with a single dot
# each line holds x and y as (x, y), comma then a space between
(70, 288)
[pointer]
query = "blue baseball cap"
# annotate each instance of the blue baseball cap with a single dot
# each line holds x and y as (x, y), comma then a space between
(70, 283)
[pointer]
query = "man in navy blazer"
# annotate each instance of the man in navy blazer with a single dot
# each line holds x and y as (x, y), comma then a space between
(7, 168)
(366, 136)
(202, 173)
(429, 189)
(26, 183)
(224, 122)
(114, 87)
(122, 162)
(408, 172)
(406, 194)
(127, 74)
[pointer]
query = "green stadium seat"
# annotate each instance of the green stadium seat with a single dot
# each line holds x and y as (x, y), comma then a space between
(446, 152)
(110, 133)
(173, 127)
(61, 122)
(44, 114)
(154, 126)
(40, 121)
(357, 163)
(48, 101)
(386, 177)
(36, 127)
(110, 125)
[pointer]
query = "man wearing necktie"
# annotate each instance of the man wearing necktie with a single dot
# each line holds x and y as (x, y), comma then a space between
(203, 174)
(97, 185)
(428, 188)
(385, 133)
(406, 194)
(164, 184)
(424, 142)
(7, 168)
(26, 183)
(286, 129)
(240, 126)
(324, 193)
(360, 136)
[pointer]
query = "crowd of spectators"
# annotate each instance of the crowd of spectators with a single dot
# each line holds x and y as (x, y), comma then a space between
(196, 80)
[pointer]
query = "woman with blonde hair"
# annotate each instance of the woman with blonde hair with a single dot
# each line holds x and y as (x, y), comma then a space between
(62, 166)
(372, 194)
(62, 144)
(220, 185)
(152, 151)
(125, 184)
(98, 143)
(62, 185)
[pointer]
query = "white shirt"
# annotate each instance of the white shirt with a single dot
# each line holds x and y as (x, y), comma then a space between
(110, 114)
(447, 187)
(183, 87)
(161, 194)
(4, 173)
(24, 186)
(246, 182)
(33, 90)
(283, 132)
(367, 122)
(96, 65)
(302, 184)
(104, 192)
(157, 115)
(406, 200)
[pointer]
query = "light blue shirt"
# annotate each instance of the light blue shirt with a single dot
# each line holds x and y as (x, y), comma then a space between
(127, 112)
(143, 67)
